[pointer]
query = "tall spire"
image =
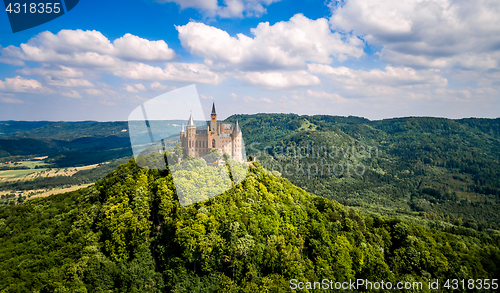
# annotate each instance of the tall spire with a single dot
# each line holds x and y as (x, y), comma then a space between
(237, 128)
(191, 122)
(213, 109)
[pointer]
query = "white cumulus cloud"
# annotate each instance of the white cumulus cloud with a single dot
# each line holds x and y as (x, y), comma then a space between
(279, 79)
(134, 88)
(431, 33)
(157, 86)
(52, 71)
(392, 82)
(19, 84)
(72, 94)
(69, 82)
(391, 76)
(78, 47)
(72, 54)
(132, 47)
(10, 100)
(229, 9)
(332, 97)
(284, 45)
(185, 72)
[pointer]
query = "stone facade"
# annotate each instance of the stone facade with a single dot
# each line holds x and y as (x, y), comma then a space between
(199, 142)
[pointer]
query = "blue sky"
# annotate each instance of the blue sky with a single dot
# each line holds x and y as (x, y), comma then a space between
(354, 57)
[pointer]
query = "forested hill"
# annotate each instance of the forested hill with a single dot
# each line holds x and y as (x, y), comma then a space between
(414, 167)
(9, 127)
(66, 143)
(431, 169)
(72, 143)
(128, 233)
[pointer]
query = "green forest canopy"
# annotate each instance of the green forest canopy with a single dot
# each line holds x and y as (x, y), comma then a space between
(128, 233)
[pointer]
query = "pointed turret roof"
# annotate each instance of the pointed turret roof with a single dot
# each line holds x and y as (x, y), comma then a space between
(213, 109)
(191, 122)
(237, 127)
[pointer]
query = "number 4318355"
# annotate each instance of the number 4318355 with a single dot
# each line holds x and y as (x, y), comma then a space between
(33, 8)
(471, 284)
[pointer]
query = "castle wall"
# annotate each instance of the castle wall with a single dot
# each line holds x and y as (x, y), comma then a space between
(236, 148)
(199, 142)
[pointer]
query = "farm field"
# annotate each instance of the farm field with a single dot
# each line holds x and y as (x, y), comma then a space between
(12, 197)
(18, 174)
(19, 185)
(58, 190)
(29, 174)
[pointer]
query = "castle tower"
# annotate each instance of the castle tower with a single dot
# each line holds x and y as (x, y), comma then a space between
(213, 119)
(236, 143)
(197, 142)
(191, 136)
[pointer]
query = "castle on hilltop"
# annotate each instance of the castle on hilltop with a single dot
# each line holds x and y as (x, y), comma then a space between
(198, 142)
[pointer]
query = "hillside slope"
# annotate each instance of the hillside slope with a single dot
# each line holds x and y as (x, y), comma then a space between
(413, 167)
(128, 233)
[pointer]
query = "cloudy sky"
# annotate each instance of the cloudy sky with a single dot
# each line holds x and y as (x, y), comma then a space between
(376, 59)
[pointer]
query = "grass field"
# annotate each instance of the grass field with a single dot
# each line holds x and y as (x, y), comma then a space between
(306, 125)
(11, 196)
(60, 190)
(29, 164)
(27, 175)
(32, 164)
(18, 174)
(32, 173)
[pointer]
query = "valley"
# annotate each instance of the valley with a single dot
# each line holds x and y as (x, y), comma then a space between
(417, 200)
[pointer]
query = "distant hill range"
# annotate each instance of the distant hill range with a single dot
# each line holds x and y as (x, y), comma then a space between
(420, 167)
(66, 143)
(72, 143)
(433, 168)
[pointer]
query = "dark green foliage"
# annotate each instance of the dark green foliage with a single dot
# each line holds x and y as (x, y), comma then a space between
(69, 131)
(10, 127)
(67, 143)
(26, 146)
(419, 167)
(62, 153)
(53, 245)
(14, 168)
(128, 233)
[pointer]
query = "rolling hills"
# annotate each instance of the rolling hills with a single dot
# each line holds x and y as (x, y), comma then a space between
(429, 168)
(128, 233)
(422, 169)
